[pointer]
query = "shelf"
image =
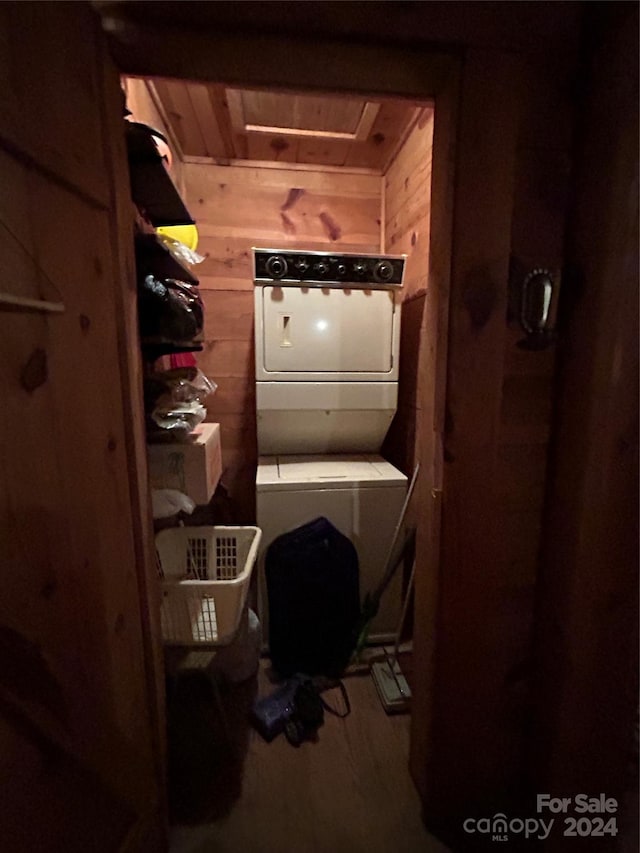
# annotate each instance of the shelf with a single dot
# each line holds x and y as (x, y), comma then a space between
(159, 261)
(152, 189)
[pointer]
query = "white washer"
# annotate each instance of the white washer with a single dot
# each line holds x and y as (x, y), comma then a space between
(361, 495)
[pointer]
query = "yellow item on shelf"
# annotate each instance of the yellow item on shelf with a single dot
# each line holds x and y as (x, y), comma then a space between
(187, 234)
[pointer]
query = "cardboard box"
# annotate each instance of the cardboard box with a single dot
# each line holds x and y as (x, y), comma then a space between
(193, 468)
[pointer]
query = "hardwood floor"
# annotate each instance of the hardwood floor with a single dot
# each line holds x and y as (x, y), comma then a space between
(348, 792)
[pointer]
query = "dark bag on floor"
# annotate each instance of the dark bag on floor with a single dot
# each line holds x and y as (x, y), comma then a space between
(297, 708)
(308, 711)
(314, 600)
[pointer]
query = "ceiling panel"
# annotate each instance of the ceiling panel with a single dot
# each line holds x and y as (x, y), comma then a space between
(323, 152)
(210, 129)
(389, 129)
(276, 148)
(210, 120)
(303, 112)
(181, 114)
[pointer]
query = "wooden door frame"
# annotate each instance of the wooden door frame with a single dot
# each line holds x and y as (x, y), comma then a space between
(131, 370)
(367, 70)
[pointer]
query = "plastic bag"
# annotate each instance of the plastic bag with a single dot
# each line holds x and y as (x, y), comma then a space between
(182, 384)
(168, 502)
(181, 252)
(187, 384)
(179, 418)
(169, 310)
(175, 400)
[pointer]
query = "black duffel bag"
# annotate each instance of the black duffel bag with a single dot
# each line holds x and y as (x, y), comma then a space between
(314, 600)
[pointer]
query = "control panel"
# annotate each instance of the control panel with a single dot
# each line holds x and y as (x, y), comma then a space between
(328, 270)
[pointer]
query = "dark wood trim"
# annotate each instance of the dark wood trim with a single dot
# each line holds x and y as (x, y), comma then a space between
(431, 400)
(371, 71)
(274, 62)
(586, 642)
(468, 679)
(121, 223)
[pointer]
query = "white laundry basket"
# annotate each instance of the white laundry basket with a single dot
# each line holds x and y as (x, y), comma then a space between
(205, 574)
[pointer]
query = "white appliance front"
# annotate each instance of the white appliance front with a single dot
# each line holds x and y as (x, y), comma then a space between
(326, 334)
(324, 417)
(326, 368)
(361, 495)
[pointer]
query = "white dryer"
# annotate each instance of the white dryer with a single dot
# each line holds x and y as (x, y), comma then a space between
(327, 333)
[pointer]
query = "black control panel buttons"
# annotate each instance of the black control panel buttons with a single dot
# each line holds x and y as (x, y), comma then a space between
(327, 269)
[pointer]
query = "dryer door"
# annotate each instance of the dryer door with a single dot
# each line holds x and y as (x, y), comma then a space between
(310, 330)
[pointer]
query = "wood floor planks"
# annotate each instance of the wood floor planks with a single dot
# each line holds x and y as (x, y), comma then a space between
(349, 791)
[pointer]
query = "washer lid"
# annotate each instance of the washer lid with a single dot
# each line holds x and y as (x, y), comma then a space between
(284, 473)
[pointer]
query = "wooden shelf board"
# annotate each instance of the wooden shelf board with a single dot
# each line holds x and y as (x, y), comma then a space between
(152, 189)
(150, 250)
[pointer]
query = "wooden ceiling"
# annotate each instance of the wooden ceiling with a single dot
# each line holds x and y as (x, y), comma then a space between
(211, 120)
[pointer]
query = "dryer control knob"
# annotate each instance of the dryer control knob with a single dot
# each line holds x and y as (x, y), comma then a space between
(383, 271)
(322, 267)
(277, 266)
(359, 269)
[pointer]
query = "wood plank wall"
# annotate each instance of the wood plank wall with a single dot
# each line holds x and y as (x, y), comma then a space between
(77, 763)
(540, 205)
(237, 207)
(586, 652)
(407, 214)
(510, 200)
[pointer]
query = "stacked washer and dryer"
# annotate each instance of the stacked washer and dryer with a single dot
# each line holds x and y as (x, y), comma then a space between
(327, 336)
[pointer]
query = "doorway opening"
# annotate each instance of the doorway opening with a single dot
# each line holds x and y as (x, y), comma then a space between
(298, 172)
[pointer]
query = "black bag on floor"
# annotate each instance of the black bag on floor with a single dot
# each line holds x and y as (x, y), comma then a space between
(314, 600)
